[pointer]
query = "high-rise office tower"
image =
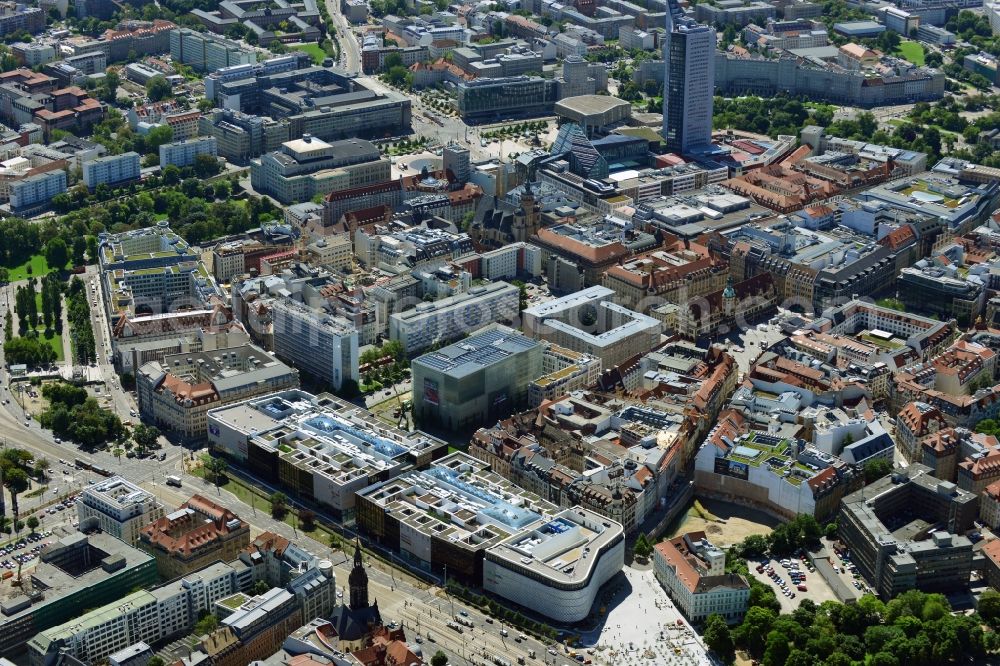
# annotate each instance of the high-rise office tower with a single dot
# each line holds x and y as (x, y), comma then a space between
(688, 83)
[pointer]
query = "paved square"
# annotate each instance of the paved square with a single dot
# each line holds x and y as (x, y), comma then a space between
(642, 627)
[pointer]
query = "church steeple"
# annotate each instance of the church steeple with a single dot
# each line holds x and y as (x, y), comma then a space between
(358, 582)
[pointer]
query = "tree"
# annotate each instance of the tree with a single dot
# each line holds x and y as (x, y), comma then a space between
(158, 88)
(753, 546)
(642, 548)
(777, 651)
(206, 625)
(206, 166)
(756, 625)
(718, 637)
(307, 520)
(439, 659)
(876, 469)
(215, 467)
(155, 660)
(989, 607)
(145, 436)
(260, 587)
(56, 253)
(279, 504)
(15, 481)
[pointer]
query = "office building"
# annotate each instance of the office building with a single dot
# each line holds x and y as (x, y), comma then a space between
(450, 318)
(319, 344)
(317, 446)
(255, 630)
(111, 170)
(204, 52)
(906, 532)
(590, 323)
(563, 371)
(241, 136)
(75, 572)
(984, 65)
(309, 166)
(481, 100)
(689, 81)
(478, 380)
(198, 533)
(693, 572)
(118, 507)
(185, 153)
(151, 270)
(177, 392)
(135, 616)
(455, 158)
(34, 194)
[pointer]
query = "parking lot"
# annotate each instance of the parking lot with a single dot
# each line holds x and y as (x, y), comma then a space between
(817, 589)
(23, 551)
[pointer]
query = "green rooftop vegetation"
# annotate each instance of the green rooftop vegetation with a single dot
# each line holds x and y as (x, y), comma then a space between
(880, 342)
(922, 186)
(235, 601)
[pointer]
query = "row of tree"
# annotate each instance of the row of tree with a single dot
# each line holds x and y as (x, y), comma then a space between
(78, 314)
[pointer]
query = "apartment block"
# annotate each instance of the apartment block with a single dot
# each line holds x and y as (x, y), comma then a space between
(185, 153)
(34, 193)
(111, 170)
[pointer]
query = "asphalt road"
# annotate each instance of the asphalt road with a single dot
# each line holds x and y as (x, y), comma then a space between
(350, 51)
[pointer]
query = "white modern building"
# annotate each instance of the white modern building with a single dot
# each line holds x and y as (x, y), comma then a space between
(184, 153)
(119, 508)
(111, 170)
(693, 572)
(317, 343)
(451, 318)
(688, 83)
(557, 568)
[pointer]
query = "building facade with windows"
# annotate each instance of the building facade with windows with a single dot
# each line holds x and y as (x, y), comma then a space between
(119, 508)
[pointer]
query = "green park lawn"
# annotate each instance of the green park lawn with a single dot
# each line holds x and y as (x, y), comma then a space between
(313, 49)
(911, 51)
(39, 267)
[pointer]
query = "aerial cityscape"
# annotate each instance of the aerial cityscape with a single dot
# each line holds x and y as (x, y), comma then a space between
(454, 333)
